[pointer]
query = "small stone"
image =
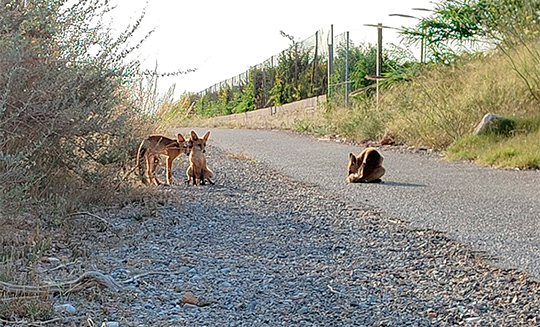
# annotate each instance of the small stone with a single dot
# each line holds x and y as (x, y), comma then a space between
(66, 308)
(473, 320)
(184, 269)
(494, 123)
(190, 306)
(252, 306)
(110, 324)
(190, 298)
(51, 260)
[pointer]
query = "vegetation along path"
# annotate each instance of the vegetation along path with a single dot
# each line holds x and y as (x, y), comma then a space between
(495, 211)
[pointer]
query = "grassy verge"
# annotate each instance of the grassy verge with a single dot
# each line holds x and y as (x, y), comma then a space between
(440, 105)
(520, 151)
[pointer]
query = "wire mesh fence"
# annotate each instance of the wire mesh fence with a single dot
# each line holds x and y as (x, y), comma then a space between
(321, 64)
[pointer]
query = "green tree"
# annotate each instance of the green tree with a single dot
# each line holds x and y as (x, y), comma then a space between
(457, 24)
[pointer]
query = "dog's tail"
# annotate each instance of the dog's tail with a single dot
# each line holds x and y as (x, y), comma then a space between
(141, 162)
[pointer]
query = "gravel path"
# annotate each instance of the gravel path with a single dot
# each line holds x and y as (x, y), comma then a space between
(495, 211)
(263, 249)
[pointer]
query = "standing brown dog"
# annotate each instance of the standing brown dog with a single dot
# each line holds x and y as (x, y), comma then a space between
(197, 170)
(366, 168)
(149, 152)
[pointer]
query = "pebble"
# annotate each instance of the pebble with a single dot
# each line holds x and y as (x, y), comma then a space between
(66, 308)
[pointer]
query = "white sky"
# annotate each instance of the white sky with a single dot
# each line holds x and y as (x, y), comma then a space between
(223, 38)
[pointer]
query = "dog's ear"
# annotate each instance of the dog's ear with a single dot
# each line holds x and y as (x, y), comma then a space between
(181, 138)
(194, 136)
(205, 137)
(352, 158)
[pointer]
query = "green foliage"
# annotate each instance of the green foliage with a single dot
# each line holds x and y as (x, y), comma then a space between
(294, 76)
(297, 74)
(244, 98)
(456, 24)
(362, 62)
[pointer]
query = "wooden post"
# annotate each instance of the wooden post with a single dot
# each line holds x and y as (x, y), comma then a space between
(379, 49)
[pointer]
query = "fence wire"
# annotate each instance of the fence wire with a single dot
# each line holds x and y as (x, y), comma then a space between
(318, 65)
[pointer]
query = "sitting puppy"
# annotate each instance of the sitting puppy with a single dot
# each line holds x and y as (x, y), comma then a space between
(197, 170)
(366, 168)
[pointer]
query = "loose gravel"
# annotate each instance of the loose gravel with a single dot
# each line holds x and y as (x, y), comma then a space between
(261, 249)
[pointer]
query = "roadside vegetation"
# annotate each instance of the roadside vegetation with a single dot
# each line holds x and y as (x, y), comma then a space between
(69, 115)
(481, 56)
(72, 112)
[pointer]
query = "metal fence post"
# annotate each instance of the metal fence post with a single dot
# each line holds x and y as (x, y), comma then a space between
(379, 58)
(347, 72)
(330, 60)
(314, 70)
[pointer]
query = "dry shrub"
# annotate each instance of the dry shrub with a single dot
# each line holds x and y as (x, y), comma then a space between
(68, 123)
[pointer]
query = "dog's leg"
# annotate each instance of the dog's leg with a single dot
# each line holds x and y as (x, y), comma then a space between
(202, 177)
(169, 169)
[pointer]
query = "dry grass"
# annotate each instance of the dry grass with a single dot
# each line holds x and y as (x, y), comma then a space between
(447, 102)
(241, 157)
(22, 244)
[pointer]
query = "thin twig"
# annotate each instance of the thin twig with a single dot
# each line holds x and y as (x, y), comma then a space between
(60, 266)
(150, 273)
(41, 323)
(5, 299)
(86, 280)
(35, 323)
(333, 290)
(103, 220)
